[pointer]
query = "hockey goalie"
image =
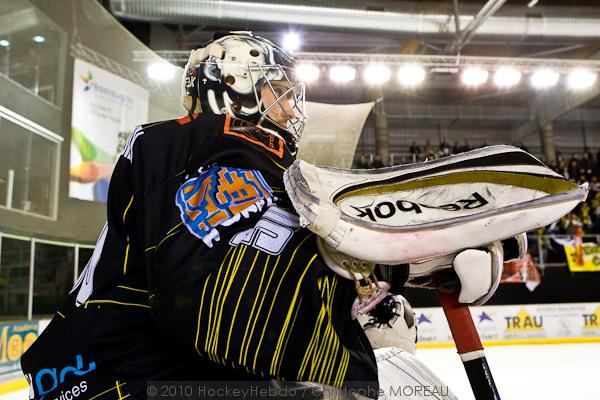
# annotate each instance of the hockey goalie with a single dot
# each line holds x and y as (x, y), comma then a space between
(215, 266)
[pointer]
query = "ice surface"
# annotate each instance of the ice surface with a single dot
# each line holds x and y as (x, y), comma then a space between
(533, 372)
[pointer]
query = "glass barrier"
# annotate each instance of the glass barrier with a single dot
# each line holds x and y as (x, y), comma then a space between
(31, 48)
(52, 276)
(14, 278)
(28, 170)
(54, 265)
(84, 255)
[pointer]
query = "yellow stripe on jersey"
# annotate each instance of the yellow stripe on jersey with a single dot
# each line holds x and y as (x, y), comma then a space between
(262, 335)
(247, 338)
(114, 302)
(282, 334)
(127, 248)
(318, 363)
(167, 235)
(208, 340)
(274, 302)
(237, 305)
(289, 335)
(132, 289)
(127, 208)
(126, 256)
(224, 294)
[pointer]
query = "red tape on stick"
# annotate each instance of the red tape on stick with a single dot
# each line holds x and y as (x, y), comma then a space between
(461, 323)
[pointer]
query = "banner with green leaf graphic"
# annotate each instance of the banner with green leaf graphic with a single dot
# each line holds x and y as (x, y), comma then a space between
(106, 108)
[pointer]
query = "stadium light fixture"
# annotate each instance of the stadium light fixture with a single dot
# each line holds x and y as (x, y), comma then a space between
(581, 79)
(161, 71)
(307, 73)
(544, 78)
(342, 74)
(377, 74)
(411, 75)
(291, 41)
(474, 76)
(506, 77)
(39, 39)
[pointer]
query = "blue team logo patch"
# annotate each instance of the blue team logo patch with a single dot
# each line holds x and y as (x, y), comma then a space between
(221, 196)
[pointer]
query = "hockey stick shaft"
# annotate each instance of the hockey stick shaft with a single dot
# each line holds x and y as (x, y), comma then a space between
(469, 346)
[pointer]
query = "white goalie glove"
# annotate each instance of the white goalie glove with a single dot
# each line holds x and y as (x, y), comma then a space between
(392, 332)
(476, 273)
(391, 323)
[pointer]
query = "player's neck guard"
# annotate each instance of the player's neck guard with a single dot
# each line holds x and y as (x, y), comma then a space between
(420, 211)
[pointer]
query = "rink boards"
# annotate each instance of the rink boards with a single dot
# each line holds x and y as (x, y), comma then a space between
(516, 324)
(497, 325)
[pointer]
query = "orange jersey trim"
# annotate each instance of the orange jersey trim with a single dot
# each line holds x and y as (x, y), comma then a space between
(278, 150)
(186, 119)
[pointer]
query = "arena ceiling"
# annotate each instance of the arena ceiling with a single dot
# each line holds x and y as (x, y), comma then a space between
(442, 105)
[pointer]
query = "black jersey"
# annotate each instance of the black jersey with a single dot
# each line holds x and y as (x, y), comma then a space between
(202, 263)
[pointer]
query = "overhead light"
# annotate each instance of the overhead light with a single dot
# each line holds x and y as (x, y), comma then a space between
(342, 73)
(39, 39)
(411, 75)
(161, 71)
(474, 76)
(377, 74)
(506, 77)
(444, 70)
(532, 3)
(580, 79)
(307, 72)
(291, 41)
(4, 43)
(544, 78)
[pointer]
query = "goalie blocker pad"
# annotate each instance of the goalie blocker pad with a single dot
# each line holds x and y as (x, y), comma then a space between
(421, 211)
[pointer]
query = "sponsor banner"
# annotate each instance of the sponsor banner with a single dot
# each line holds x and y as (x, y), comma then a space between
(105, 109)
(15, 338)
(583, 258)
(516, 322)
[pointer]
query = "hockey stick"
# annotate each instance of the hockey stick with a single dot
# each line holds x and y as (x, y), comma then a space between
(469, 346)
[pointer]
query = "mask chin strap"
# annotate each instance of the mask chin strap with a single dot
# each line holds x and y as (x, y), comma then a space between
(265, 123)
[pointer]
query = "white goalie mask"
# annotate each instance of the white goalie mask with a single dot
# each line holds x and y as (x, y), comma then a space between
(246, 77)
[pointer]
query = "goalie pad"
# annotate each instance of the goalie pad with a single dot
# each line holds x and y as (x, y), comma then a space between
(403, 376)
(421, 211)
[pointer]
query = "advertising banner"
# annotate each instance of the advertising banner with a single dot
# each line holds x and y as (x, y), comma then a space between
(517, 323)
(105, 110)
(583, 258)
(15, 338)
(505, 325)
